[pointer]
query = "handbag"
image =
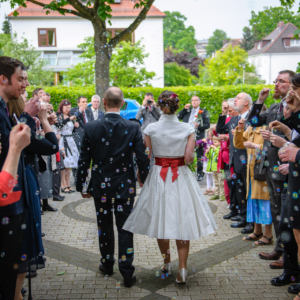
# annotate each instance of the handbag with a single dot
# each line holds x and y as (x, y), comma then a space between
(259, 175)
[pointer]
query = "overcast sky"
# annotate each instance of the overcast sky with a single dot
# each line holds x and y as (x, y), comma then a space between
(208, 15)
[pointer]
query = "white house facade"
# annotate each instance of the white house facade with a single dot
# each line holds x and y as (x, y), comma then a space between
(58, 36)
(276, 52)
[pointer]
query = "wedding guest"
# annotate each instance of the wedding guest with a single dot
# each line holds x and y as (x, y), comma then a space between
(19, 138)
(171, 204)
(12, 84)
(289, 221)
(205, 143)
(32, 247)
(198, 118)
(258, 199)
(212, 166)
(275, 179)
(93, 113)
(237, 160)
(149, 111)
(67, 125)
(113, 189)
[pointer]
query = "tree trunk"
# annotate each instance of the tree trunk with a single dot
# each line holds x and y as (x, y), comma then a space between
(103, 54)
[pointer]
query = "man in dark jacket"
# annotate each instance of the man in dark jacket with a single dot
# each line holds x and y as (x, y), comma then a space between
(12, 84)
(110, 144)
(269, 158)
(199, 119)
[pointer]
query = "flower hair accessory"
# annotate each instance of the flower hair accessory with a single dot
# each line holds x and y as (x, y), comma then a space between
(174, 96)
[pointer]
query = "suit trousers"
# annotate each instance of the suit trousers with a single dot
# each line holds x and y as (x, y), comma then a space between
(240, 192)
(11, 237)
(290, 250)
(275, 202)
(56, 183)
(121, 208)
(200, 153)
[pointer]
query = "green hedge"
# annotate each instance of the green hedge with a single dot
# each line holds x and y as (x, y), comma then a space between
(211, 97)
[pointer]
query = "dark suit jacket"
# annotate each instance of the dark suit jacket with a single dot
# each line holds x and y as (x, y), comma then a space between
(270, 152)
(204, 122)
(6, 124)
(90, 115)
(78, 132)
(110, 144)
(237, 157)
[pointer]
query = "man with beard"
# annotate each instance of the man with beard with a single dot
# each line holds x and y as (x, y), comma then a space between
(269, 157)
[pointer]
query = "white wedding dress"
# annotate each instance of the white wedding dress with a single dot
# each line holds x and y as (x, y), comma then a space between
(170, 210)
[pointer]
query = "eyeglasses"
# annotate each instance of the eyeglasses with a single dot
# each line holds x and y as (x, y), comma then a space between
(280, 81)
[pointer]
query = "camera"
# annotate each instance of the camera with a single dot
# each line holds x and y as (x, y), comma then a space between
(149, 102)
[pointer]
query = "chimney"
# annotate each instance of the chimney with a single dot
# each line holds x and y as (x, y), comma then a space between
(280, 24)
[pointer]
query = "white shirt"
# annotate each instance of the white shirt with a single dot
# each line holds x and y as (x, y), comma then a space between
(193, 115)
(244, 115)
(95, 113)
(113, 112)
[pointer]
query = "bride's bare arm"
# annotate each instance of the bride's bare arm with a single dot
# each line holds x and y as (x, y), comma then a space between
(148, 146)
(189, 150)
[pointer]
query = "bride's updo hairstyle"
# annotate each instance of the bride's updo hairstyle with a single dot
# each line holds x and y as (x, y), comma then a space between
(168, 102)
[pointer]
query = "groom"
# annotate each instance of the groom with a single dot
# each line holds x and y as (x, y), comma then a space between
(110, 144)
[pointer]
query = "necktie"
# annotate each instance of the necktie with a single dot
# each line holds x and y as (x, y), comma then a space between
(239, 118)
(83, 114)
(7, 111)
(280, 107)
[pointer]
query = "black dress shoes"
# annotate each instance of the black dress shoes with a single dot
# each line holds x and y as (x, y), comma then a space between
(59, 198)
(294, 289)
(200, 177)
(248, 229)
(235, 218)
(130, 282)
(230, 215)
(23, 291)
(49, 208)
(240, 224)
(284, 279)
(43, 234)
(105, 271)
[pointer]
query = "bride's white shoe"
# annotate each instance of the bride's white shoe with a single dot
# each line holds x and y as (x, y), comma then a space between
(183, 276)
(167, 268)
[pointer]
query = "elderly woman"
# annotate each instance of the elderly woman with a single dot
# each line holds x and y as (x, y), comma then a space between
(258, 203)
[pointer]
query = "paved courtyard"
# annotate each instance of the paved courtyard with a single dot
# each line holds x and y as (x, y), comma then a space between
(220, 266)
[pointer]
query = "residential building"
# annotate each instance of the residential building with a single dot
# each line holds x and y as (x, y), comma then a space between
(200, 48)
(232, 42)
(57, 36)
(275, 52)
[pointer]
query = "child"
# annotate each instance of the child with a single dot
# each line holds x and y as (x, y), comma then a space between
(212, 166)
(205, 143)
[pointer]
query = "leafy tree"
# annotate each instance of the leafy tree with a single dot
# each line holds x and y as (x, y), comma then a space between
(126, 66)
(97, 12)
(215, 42)
(248, 40)
(266, 21)
(176, 35)
(226, 68)
(184, 59)
(29, 56)
(6, 26)
(176, 75)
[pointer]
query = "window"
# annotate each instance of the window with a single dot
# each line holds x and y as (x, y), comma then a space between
(47, 37)
(111, 33)
(295, 43)
(64, 58)
(258, 45)
(124, 107)
(50, 58)
(76, 59)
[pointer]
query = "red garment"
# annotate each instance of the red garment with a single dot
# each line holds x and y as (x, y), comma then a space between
(7, 183)
(57, 156)
(173, 163)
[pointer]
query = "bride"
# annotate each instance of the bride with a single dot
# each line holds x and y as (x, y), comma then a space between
(171, 204)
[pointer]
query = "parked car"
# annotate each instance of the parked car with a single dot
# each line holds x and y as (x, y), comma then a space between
(129, 110)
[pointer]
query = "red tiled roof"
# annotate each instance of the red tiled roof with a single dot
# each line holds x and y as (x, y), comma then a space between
(233, 43)
(123, 9)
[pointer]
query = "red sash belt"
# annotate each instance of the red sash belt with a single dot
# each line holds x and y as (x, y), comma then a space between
(173, 163)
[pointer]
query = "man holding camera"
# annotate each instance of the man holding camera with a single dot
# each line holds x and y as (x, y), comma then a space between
(149, 111)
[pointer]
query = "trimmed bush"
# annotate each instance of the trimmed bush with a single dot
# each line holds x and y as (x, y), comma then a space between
(211, 97)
